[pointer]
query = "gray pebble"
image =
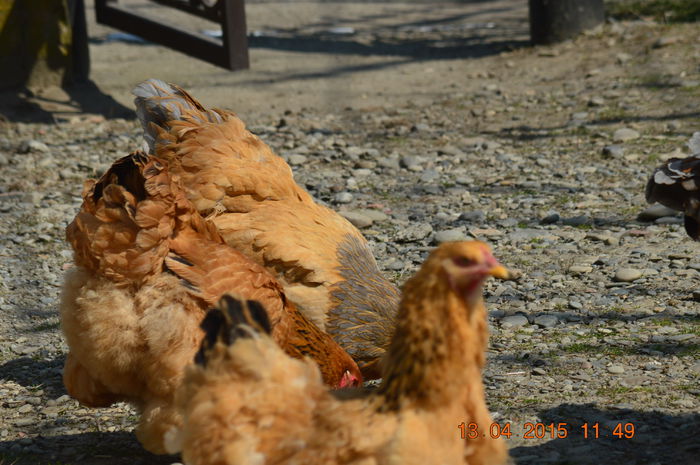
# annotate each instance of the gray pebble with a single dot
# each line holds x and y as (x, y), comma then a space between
(343, 197)
(514, 321)
(550, 218)
(476, 216)
(655, 212)
(457, 234)
(546, 321)
(576, 220)
(297, 159)
(616, 369)
(613, 151)
(625, 134)
(626, 275)
(33, 146)
(414, 232)
(358, 219)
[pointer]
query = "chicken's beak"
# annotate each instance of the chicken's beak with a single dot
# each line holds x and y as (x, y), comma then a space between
(500, 272)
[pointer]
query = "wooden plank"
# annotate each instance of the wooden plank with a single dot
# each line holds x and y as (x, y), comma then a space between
(232, 54)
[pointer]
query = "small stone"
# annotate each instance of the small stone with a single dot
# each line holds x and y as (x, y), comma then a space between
(33, 146)
(613, 151)
(343, 197)
(696, 368)
(375, 215)
(576, 220)
(655, 212)
(410, 162)
(626, 275)
(26, 408)
(625, 134)
(596, 102)
(388, 162)
(623, 58)
(616, 369)
(580, 269)
(429, 176)
(414, 232)
(551, 218)
(357, 219)
(539, 371)
(669, 220)
(476, 216)
(449, 235)
(395, 265)
(665, 41)
(546, 321)
(607, 238)
(297, 159)
(514, 321)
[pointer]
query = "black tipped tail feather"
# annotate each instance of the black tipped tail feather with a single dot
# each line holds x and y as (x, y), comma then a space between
(233, 319)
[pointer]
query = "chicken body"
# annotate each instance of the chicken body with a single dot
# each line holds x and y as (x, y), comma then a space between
(676, 184)
(148, 268)
(432, 382)
(235, 180)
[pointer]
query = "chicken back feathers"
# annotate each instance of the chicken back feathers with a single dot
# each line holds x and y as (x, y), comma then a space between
(148, 268)
(235, 180)
(233, 412)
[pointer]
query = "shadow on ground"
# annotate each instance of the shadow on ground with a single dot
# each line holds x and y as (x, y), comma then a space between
(657, 438)
(23, 105)
(91, 448)
(36, 374)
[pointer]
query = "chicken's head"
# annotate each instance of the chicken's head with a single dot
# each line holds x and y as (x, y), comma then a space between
(467, 265)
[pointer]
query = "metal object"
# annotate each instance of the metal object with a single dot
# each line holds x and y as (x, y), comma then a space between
(230, 53)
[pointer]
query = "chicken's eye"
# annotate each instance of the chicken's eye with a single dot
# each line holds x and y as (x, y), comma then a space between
(462, 261)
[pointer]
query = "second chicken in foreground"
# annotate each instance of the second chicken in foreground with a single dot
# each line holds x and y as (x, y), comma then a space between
(239, 406)
(148, 268)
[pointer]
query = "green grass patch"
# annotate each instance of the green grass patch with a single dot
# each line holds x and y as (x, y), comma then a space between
(613, 115)
(606, 349)
(673, 11)
(46, 327)
(612, 391)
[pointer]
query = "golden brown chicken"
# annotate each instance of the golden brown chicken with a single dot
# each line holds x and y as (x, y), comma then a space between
(148, 268)
(235, 180)
(240, 407)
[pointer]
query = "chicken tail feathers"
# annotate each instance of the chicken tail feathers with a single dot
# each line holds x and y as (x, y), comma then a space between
(158, 102)
(233, 319)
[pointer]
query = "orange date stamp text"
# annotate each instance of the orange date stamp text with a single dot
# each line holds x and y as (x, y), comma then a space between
(546, 431)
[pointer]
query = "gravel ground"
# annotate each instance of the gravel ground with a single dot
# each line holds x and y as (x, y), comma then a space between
(543, 152)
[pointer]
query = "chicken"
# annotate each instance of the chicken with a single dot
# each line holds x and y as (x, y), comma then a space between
(676, 184)
(240, 408)
(235, 180)
(148, 268)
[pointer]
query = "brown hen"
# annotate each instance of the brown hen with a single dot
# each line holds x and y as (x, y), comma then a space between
(235, 180)
(238, 408)
(148, 268)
